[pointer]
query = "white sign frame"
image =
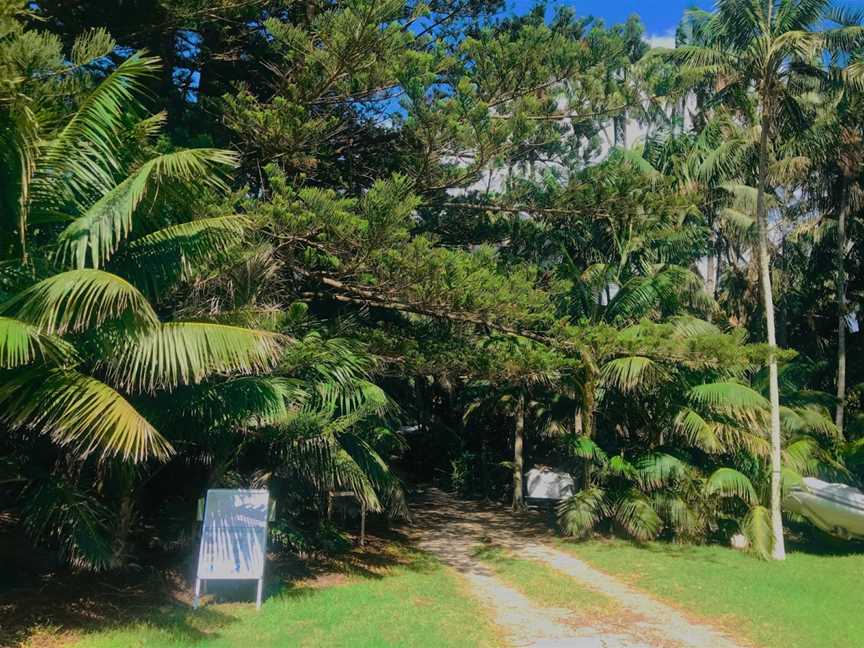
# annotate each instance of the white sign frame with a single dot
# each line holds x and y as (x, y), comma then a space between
(233, 538)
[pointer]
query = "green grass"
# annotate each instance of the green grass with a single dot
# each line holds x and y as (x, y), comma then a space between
(418, 604)
(807, 601)
(543, 584)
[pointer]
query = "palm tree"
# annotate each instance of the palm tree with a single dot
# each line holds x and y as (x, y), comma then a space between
(765, 45)
(80, 343)
(835, 143)
(695, 457)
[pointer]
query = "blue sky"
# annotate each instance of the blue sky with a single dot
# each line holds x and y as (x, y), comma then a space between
(660, 16)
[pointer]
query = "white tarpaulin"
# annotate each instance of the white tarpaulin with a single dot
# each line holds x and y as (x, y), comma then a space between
(835, 508)
(234, 536)
(548, 483)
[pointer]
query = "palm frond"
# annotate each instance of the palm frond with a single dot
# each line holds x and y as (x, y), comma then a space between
(587, 449)
(93, 237)
(22, 343)
(620, 467)
(728, 482)
(632, 373)
(634, 512)
(659, 469)
(84, 154)
(730, 396)
(158, 260)
(80, 412)
(183, 353)
(55, 511)
(240, 402)
(579, 514)
(757, 529)
(698, 431)
(77, 300)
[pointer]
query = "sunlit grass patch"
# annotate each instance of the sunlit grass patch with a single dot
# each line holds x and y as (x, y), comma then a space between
(546, 585)
(418, 602)
(807, 601)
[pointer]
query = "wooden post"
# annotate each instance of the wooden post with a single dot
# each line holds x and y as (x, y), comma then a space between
(196, 602)
(258, 597)
(362, 524)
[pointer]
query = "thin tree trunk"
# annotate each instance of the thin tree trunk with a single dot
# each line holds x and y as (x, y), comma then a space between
(779, 550)
(125, 521)
(619, 126)
(588, 404)
(841, 306)
(711, 274)
(518, 448)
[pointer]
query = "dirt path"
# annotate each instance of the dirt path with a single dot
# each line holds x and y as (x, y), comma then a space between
(451, 529)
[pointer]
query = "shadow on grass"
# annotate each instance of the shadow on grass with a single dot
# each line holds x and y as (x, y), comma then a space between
(808, 540)
(800, 539)
(42, 604)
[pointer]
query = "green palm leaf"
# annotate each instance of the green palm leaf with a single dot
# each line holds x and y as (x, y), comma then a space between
(81, 412)
(247, 401)
(634, 512)
(659, 469)
(698, 431)
(22, 343)
(158, 260)
(95, 235)
(56, 511)
(585, 448)
(728, 482)
(757, 528)
(78, 300)
(632, 373)
(730, 396)
(579, 514)
(83, 156)
(182, 353)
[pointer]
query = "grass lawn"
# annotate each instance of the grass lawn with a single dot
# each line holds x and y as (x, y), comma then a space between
(807, 601)
(418, 603)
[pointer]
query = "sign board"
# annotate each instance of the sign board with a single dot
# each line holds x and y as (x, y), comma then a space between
(233, 537)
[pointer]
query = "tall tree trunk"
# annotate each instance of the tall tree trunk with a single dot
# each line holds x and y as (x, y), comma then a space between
(778, 551)
(619, 126)
(588, 405)
(841, 305)
(518, 448)
(711, 274)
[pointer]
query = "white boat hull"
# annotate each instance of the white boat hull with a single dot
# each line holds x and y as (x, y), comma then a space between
(835, 508)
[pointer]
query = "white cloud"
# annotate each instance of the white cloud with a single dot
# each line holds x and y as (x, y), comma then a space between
(666, 40)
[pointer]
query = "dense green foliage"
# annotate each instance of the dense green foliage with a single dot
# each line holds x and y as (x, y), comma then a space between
(244, 242)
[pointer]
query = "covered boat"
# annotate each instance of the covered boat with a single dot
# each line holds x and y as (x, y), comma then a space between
(545, 483)
(835, 508)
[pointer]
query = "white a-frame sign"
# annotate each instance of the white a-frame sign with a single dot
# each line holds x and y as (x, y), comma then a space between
(234, 538)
